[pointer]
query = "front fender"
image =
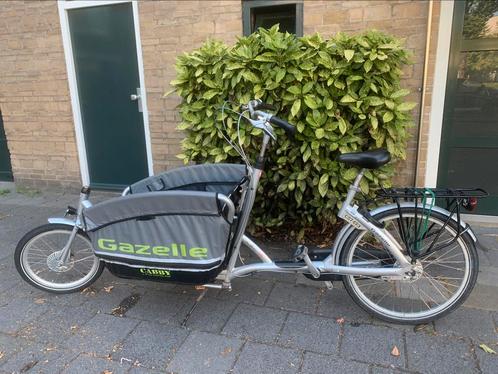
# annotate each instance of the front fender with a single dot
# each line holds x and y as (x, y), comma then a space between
(65, 221)
(333, 258)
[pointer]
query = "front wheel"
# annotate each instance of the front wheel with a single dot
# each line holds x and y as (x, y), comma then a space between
(446, 279)
(37, 259)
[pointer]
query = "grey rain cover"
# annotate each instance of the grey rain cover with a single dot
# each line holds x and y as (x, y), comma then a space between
(211, 177)
(171, 229)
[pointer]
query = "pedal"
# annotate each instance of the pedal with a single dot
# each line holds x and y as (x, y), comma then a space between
(301, 254)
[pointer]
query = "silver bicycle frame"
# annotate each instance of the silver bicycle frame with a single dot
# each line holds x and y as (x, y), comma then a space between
(349, 212)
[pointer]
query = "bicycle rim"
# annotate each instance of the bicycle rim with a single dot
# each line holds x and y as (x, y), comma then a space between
(38, 260)
(445, 277)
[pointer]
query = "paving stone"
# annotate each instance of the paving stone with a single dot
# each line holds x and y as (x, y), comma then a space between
(151, 345)
(17, 311)
(33, 358)
(383, 370)
(488, 362)
(321, 364)
(89, 364)
(249, 290)
(473, 323)
(160, 307)
(56, 365)
(100, 334)
(143, 370)
(10, 346)
(57, 325)
(311, 333)
(263, 359)
(255, 322)
(337, 303)
(426, 353)
(209, 315)
(8, 275)
(373, 344)
(296, 297)
(104, 302)
(205, 353)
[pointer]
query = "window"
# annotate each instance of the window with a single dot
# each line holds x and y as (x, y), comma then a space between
(265, 13)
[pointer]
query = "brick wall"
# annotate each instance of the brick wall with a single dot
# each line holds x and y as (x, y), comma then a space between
(169, 28)
(34, 95)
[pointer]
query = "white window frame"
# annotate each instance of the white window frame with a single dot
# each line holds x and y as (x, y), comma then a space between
(438, 93)
(63, 7)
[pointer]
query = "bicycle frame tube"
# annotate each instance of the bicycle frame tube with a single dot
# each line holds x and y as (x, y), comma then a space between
(348, 212)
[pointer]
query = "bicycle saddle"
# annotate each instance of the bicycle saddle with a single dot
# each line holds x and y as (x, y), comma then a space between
(368, 159)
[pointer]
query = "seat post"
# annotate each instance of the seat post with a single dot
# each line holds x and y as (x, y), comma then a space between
(353, 189)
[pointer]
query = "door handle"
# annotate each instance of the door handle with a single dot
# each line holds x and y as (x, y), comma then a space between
(137, 97)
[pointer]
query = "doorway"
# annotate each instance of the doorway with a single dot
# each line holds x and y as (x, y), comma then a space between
(108, 95)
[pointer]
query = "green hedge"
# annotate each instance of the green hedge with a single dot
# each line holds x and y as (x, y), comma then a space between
(343, 94)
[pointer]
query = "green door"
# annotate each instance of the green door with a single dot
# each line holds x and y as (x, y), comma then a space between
(105, 59)
(469, 143)
(5, 167)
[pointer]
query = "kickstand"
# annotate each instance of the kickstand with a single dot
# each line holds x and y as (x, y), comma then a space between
(197, 301)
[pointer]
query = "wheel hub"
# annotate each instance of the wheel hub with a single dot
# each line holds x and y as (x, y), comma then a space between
(416, 272)
(57, 265)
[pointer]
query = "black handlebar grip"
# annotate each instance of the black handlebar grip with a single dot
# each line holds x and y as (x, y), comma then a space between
(289, 129)
(266, 106)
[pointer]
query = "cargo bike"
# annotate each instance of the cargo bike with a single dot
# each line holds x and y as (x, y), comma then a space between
(407, 261)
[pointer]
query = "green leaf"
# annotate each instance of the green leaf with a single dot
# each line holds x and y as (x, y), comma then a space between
(281, 187)
(210, 94)
(307, 87)
(343, 126)
(329, 104)
(307, 154)
(364, 186)
(323, 185)
(310, 102)
(348, 53)
(368, 65)
(400, 93)
(405, 107)
(250, 76)
(280, 75)
(374, 122)
(294, 90)
(387, 117)
(295, 107)
(487, 349)
(350, 174)
(319, 133)
(347, 99)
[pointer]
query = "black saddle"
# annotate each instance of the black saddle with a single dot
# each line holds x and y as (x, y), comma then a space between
(370, 159)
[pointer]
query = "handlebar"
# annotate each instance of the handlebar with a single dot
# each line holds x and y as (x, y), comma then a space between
(286, 126)
(254, 107)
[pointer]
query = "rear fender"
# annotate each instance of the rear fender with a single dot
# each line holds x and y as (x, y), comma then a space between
(348, 229)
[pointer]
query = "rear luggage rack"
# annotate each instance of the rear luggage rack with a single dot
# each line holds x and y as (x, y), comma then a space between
(415, 230)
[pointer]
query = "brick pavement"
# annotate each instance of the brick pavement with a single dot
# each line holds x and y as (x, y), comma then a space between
(267, 324)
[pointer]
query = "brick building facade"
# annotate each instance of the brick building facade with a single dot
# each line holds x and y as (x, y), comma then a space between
(36, 100)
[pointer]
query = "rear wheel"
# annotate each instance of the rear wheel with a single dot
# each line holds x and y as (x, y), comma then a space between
(447, 275)
(37, 259)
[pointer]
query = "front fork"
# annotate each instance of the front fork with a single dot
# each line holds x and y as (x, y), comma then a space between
(65, 253)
